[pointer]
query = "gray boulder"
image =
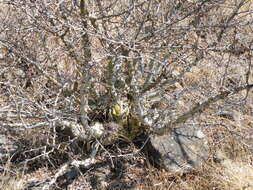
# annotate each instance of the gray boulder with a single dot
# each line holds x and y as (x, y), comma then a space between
(183, 150)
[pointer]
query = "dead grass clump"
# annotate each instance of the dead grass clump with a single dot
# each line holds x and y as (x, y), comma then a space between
(10, 183)
(235, 175)
(228, 175)
(10, 180)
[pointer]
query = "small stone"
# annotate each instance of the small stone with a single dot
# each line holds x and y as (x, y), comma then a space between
(97, 129)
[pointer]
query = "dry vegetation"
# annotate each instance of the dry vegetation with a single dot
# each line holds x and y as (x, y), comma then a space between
(60, 61)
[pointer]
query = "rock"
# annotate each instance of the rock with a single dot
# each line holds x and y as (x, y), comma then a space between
(7, 148)
(183, 150)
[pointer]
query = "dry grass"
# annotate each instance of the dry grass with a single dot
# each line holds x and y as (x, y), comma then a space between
(231, 137)
(10, 180)
(11, 183)
(236, 175)
(227, 175)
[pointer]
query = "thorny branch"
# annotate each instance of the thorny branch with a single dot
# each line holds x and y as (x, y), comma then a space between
(200, 107)
(153, 55)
